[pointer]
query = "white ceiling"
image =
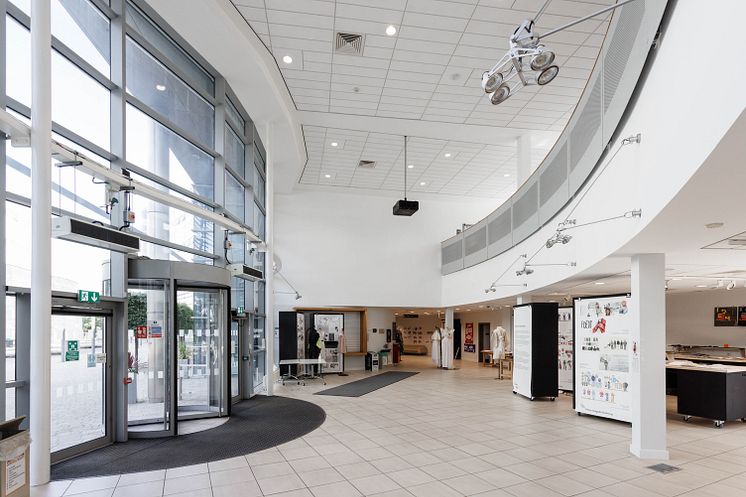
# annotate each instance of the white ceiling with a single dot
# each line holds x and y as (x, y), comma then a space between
(429, 71)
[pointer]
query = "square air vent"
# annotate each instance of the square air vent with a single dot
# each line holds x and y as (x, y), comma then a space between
(349, 43)
(366, 164)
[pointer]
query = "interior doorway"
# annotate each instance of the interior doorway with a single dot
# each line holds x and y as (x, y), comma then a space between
(484, 338)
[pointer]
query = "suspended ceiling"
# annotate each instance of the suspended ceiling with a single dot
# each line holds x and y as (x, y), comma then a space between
(429, 71)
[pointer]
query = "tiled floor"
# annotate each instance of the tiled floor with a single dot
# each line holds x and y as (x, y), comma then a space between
(450, 433)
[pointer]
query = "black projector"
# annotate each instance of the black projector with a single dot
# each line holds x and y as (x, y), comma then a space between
(406, 207)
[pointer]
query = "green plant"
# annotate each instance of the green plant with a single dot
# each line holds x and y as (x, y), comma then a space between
(137, 310)
(183, 350)
(184, 317)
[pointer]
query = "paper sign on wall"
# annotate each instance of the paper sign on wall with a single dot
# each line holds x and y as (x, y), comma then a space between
(15, 473)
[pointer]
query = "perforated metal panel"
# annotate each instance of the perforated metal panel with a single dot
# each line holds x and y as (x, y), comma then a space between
(452, 252)
(628, 26)
(452, 255)
(587, 126)
(499, 231)
(475, 244)
(553, 185)
(526, 212)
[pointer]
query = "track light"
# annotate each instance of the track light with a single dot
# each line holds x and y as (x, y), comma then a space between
(526, 54)
(731, 285)
(558, 237)
(524, 271)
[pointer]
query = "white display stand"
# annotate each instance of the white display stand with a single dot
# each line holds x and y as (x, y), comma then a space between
(522, 355)
(565, 357)
(603, 352)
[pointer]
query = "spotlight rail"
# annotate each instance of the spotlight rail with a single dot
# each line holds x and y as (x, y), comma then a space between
(528, 60)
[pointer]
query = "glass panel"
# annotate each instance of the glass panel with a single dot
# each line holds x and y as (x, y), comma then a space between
(142, 25)
(160, 89)
(237, 252)
(234, 196)
(259, 297)
(168, 223)
(24, 5)
(78, 380)
(84, 29)
(10, 403)
(233, 116)
(235, 358)
(259, 189)
(259, 222)
(258, 360)
(18, 60)
(10, 338)
(157, 149)
(199, 320)
(148, 346)
(234, 152)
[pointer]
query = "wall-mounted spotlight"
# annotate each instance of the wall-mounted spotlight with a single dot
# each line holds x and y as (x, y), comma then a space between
(527, 268)
(558, 237)
(493, 287)
(731, 285)
(528, 62)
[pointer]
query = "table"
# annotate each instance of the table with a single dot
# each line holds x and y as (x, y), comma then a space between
(717, 393)
(508, 359)
(302, 377)
(483, 355)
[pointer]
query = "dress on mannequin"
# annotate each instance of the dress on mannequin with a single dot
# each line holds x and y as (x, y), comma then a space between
(435, 352)
(499, 342)
(447, 347)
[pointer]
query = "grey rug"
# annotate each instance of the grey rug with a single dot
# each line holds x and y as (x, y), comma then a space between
(254, 425)
(361, 387)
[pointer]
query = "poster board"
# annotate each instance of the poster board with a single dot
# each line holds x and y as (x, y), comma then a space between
(522, 353)
(565, 353)
(603, 353)
(725, 316)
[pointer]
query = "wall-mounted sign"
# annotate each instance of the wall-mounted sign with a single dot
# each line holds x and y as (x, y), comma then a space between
(725, 316)
(141, 332)
(155, 330)
(469, 335)
(742, 316)
(470, 347)
(89, 296)
(73, 351)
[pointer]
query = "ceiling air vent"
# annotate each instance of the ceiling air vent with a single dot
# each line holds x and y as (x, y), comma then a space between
(367, 164)
(349, 43)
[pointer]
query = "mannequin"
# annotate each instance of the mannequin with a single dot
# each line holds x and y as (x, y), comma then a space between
(435, 352)
(499, 341)
(447, 347)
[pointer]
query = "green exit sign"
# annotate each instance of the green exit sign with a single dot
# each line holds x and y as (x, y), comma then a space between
(88, 296)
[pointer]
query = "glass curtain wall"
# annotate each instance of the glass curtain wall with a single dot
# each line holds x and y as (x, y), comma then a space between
(169, 117)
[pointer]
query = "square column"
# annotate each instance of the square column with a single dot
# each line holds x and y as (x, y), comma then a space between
(648, 366)
(449, 317)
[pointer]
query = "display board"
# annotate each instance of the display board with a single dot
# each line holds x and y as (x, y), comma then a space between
(603, 352)
(565, 353)
(522, 355)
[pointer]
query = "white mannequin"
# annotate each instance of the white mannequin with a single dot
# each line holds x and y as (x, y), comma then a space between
(447, 346)
(499, 341)
(435, 352)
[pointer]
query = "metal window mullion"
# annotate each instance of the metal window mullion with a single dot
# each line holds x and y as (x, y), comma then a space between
(18, 15)
(3, 331)
(237, 176)
(17, 199)
(175, 246)
(161, 119)
(104, 8)
(57, 128)
(261, 207)
(176, 70)
(243, 139)
(219, 166)
(231, 95)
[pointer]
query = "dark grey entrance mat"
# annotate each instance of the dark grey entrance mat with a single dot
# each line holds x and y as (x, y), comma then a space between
(254, 425)
(361, 387)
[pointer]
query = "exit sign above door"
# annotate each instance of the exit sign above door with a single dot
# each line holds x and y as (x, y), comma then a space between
(89, 296)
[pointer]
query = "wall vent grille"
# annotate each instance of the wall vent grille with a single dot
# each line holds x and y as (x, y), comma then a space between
(366, 164)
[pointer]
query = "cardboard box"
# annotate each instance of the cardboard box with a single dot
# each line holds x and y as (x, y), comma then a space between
(14, 460)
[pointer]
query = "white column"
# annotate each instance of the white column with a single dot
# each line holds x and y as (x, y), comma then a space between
(449, 317)
(41, 244)
(523, 299)
(648, 369)
(523, 153)
(269, 227)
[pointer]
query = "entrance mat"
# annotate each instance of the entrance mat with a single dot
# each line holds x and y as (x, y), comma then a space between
(361, 387)
(254, 425)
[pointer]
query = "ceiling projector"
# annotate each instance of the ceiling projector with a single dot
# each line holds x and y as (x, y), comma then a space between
(406, 207)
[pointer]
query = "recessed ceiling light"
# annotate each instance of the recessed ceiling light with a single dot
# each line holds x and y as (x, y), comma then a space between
(506, 175)
(458, 308)
(410, 166)
(447, 155)
(391, 30)
(334, 144)
(714, 225)
(422, 183)
(160, 87)
(700, 286)
(599, 283)
(287, 59)
(327, 176)
(676, 279)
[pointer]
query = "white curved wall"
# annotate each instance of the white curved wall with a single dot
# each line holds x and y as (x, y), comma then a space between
(682, 112)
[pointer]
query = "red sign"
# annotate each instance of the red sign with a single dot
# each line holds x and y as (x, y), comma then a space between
(469, 335)
(127, 380)
(141, 332)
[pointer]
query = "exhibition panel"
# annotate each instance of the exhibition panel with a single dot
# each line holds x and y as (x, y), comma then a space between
(535, 346)
(604, 351)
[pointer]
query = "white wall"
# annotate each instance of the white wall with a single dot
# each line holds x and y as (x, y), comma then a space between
(689, 318)
(381, 320)
(346, 249)
(497, 317)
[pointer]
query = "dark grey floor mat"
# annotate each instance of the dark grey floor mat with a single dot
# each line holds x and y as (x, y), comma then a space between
(361, 387)
(254, 425)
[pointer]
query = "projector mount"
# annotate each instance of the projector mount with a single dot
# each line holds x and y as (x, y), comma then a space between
(527, 59)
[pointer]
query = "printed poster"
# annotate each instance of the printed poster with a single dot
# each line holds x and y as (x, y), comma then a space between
(603, 352)
(469, 334)
(565, 353)
(522, 350)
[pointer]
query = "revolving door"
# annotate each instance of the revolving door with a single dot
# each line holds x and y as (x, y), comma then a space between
(178, 359)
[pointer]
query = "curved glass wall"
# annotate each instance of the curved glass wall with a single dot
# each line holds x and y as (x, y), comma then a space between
(176, 126)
